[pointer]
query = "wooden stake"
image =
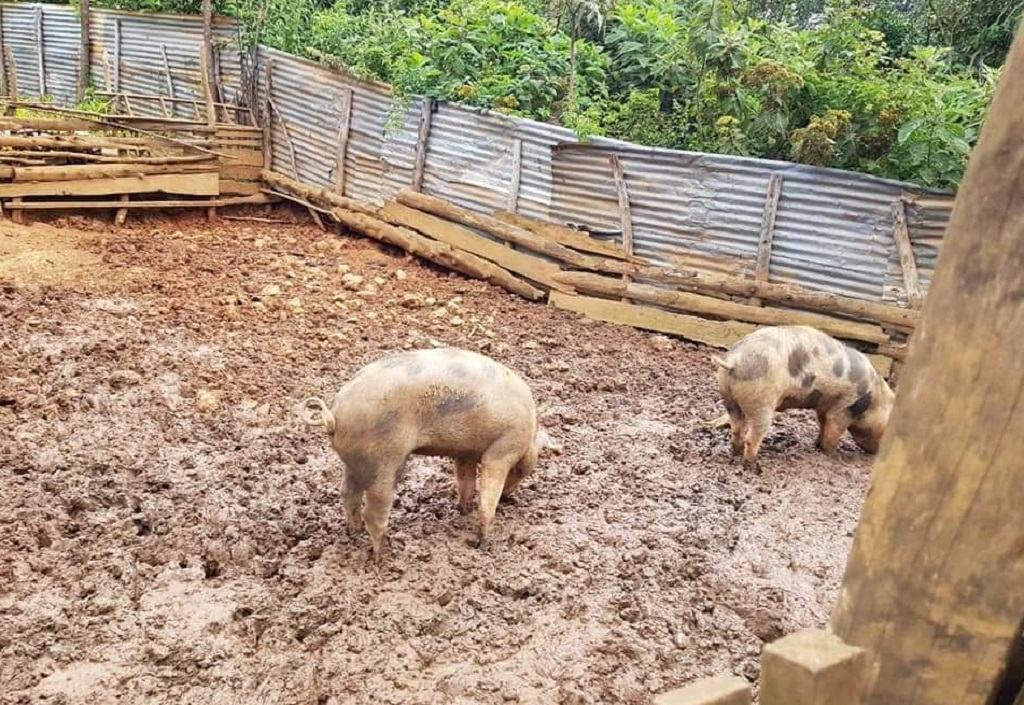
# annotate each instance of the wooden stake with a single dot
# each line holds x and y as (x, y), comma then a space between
(421, 144)
(517, 175)
(267, 115)
(901, 235)
(117, 55)
(4, 82)
(933, 581)
(12, 76)
(167, 75)
(344, 127)
(625, 212)
(17, 215)
(204, 77)
(764, 242)
(84, 49)
(122, 213)
(40, 51)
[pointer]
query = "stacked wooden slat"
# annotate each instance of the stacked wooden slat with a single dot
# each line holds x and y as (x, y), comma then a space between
(580, 273)
(124, 162)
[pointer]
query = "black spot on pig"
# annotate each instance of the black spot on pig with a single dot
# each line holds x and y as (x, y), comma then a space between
(458, 370)
(839, 367)
(797, 361)
(384, 424)
(361, 471)
(751, 367)
(807, 381)
(814, 399)
(456, 403)
(730, 405)
(414, 368)
(859, 407)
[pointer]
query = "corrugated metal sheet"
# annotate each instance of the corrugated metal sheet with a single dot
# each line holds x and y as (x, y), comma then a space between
(143, 39)
(833, 229)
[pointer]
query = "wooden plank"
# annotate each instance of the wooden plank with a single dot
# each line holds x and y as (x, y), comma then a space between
(184, 184)
(422, 140)
(900, 233)
(719, 334)
(764, 241)
(258, 199)
(813, 667)
(933, 581)
(562, 235)
(708, 306)
(723, 690)
(234, 172)
(75, 172)
(108, 159)
(167, 75)
(534, 268)
(40, 50)
(122, 213)
(267, 115)
(231, 187)
(344, 127)
(625, 211)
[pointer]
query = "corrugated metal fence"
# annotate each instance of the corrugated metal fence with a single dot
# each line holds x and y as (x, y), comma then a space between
(833, 229)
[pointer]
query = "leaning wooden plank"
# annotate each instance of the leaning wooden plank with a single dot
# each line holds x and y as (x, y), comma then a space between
(911, 280)
(405, 238)
(183, 184)
(441, 253)
(719, 334)
(565, 236)
(258, 199)
(692, 280)
(504, 231)
(105, 171)
(707, 306)
(317, 195)
(462, 238)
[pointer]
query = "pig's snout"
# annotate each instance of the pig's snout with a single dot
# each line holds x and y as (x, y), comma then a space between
(315, 413)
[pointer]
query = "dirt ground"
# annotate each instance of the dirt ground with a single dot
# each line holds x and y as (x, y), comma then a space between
(170, 532)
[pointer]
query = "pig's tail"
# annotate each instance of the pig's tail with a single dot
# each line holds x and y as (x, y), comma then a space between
(316, 413)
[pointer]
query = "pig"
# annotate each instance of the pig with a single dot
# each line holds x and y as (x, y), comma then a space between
(444, 402)
(799, 367)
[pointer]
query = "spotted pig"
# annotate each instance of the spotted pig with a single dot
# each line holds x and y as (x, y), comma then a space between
(441, 402)
(799, 367)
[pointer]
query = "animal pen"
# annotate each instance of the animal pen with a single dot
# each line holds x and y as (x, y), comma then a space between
(703, 247)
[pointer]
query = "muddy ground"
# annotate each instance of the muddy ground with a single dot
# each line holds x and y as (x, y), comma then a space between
(170, 532)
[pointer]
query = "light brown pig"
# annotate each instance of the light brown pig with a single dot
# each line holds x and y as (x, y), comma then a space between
(442, 402)
(799, 367)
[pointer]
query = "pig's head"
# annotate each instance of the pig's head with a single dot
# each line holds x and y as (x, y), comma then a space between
(543, 444)
(867, 429)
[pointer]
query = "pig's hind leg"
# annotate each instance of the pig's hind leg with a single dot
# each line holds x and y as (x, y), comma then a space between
(379, 496)
(757, 426)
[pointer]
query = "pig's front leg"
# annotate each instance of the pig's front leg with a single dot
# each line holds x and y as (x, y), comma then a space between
(494, 468)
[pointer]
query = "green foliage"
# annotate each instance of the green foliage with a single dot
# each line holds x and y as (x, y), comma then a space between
(896, 88)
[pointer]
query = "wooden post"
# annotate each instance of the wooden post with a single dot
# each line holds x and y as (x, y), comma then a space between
(813, 667)
(84, 49)
(3, 58)
(911, 281)
(625, 211)
(764, 242)
(12, 77)
(204, 78)
(117, 56)
(421, 144)
(41, 48)
(168, 77)
(723, 690)
(122, 213)
(17, 215)
(268, 116)
(933, 581)
(517, 175)
(344, 127)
